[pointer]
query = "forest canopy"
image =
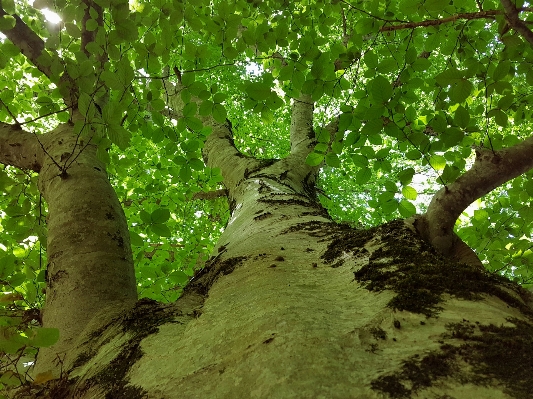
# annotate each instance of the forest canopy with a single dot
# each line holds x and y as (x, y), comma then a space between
(416, 88)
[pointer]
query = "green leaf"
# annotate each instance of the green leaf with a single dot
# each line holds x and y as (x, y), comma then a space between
(360, 160)
(160, 215)
(437, 162)
(7, 22)
(111, 80)
(406, 175)
(119, 136)
(380, 89)
(450, 173)
(388, 207)
(363, 176)
(449, 76)
(333, 160)
(258, 91)
(452, 137)
(178, 277)
(372, 127)
(189, 110)
(157, 104)
(314, 159)
(136, 239)
(161, 230)
(413, 155)
(406, 208)
(409, 193)
(73, 30)
(145, 217)
(185, 173)
(501, 70)
(91, 25)
(219, 113)
(45, 337)
(370, 59)
(9, 6)
(462, 117)
(460, 90)
(499, 116)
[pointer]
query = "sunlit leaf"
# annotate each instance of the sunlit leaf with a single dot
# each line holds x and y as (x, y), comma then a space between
(437, 162)
(409, 193)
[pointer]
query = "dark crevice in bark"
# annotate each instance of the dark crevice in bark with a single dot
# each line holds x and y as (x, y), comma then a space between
(204, 279)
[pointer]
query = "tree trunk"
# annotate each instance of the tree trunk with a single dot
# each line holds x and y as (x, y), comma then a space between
(293, 305)
(90, 265)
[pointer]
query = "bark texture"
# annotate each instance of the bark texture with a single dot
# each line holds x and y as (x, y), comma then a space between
(490, 170)
(90, 264)
(293, 305)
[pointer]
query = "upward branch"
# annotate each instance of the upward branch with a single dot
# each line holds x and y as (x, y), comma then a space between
(219, 148)
(490, 170)
(32, 47)
(302, 135)
(511, 15)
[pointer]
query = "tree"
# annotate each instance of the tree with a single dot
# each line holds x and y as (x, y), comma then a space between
(293, 143)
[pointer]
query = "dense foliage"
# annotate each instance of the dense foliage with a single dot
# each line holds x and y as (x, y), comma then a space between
(417, 87)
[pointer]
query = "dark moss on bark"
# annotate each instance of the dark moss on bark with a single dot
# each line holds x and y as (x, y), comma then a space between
(419, 276)
(493, 353)
(205, 278)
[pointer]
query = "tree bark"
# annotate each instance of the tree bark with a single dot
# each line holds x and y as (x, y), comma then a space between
(293, 305)
(90, 265)
(490, 170)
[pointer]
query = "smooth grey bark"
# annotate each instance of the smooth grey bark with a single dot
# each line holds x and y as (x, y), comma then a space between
(490, 170)
(90, 264)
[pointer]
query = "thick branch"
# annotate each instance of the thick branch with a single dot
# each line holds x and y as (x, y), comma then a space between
(20, 148)
(490, 170)
(511, 15)
(219, 149)
(88, 36)
(29, 43)
(302, 135)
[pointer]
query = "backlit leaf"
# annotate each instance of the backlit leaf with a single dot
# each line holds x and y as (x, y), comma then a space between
(409, 193)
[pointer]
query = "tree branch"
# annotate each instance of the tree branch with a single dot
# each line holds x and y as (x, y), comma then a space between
(20, 148)
(219, 148)
(511, 15)
(31, 45)
(302, 134)
(200, 195)
(490, 170)
(489, 14)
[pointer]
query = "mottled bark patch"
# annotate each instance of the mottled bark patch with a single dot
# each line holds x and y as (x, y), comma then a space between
(146, 316)
(419, 276)
(140, 321)
(502, 354)
(205, 278)
(416, 373)
(342, 239)
(114, 377)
